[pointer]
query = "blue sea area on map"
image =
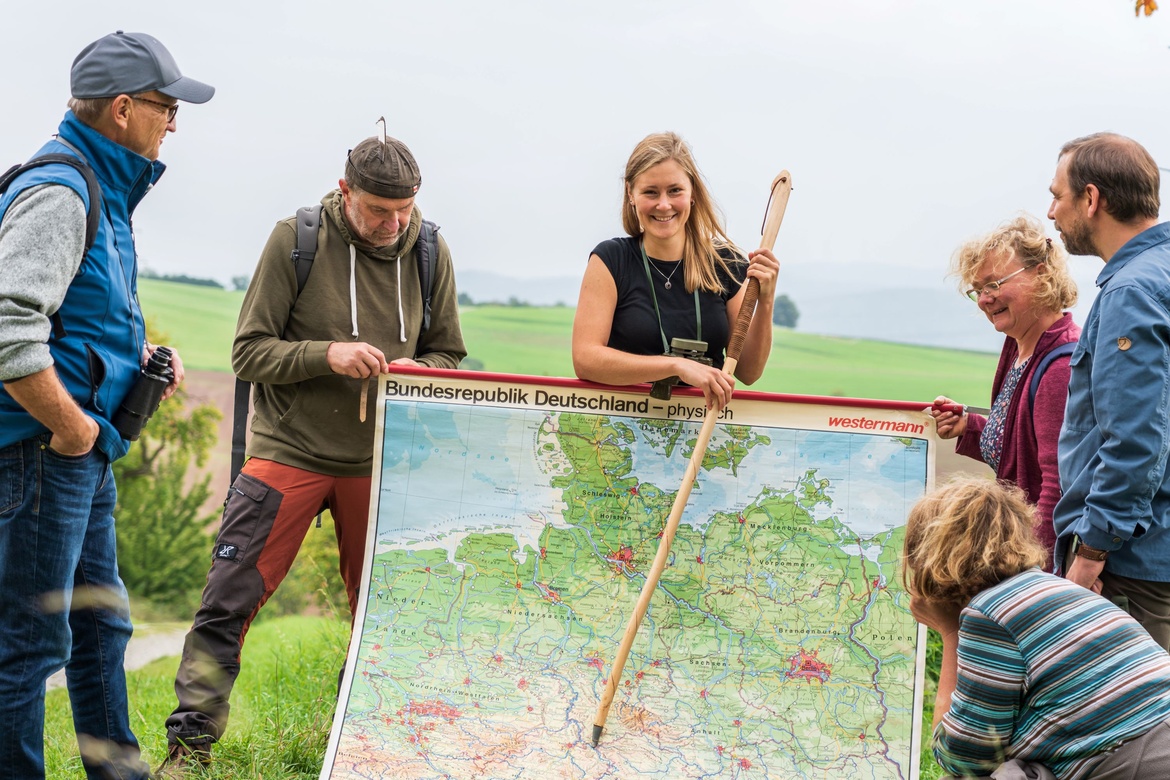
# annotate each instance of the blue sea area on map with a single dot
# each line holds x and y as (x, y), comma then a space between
(453, 468)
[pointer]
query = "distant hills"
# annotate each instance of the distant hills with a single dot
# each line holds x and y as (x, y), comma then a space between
(856, 300)
(489, 287)
(200, 321)
(885, 303)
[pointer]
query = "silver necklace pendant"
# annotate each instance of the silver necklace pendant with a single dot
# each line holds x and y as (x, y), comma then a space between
(665, 278)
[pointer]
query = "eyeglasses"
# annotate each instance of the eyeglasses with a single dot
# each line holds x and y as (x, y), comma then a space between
(992, 287)
(170, 108)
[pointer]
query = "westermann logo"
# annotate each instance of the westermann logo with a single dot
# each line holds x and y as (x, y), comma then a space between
(869, 424)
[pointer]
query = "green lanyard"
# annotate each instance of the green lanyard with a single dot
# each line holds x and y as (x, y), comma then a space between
(654, 297)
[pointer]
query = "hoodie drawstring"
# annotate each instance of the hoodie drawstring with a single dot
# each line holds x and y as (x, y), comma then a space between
(398, 287)
(353, 289)
(353, 294)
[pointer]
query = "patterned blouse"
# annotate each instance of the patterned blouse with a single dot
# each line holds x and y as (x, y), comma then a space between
(991, 441)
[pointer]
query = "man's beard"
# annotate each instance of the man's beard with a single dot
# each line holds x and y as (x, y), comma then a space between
(360, 229)
(1078, 239)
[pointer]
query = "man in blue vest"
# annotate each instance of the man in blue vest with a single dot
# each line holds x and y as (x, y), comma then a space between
(72, 344)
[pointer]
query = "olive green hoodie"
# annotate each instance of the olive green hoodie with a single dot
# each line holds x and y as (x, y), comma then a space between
(305, 415)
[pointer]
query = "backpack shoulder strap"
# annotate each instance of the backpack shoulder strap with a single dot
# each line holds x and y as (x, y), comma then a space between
(92, 216)
(1034, 385)
(93, 191)
(308, 223)
(239, 427)
(428, 257)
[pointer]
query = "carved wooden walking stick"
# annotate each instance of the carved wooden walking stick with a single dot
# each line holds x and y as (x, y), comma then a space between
(778, 201)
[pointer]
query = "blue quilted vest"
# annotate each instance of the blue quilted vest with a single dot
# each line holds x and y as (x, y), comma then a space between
(100, 356)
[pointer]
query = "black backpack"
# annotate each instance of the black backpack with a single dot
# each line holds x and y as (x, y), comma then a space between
(92, 217)
(308, 225)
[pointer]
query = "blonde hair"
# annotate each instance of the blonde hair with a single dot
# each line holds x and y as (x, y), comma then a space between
(705, 234)
(1023, 239)
(967, 536)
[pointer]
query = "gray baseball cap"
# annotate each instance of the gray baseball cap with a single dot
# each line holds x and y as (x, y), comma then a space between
(127, 63)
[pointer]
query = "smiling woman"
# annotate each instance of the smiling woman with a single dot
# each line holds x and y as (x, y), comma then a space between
(634, 301)
(1020, 280)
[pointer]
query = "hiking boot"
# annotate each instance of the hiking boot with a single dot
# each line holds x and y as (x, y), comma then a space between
(184, 758)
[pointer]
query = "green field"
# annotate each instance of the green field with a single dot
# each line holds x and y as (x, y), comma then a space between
(535, 340)
(200, 321)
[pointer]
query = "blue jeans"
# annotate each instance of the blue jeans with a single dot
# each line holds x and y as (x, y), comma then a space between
(63, 605)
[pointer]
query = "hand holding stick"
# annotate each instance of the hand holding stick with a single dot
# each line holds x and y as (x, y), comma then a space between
(778, 202)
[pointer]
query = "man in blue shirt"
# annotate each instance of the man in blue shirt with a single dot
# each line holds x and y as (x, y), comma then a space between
(1114, 517)
(72, 345)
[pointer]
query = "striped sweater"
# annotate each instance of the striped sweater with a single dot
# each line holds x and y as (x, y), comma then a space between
(1051, 673)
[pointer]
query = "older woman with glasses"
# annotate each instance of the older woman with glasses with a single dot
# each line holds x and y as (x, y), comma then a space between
(1019, 278)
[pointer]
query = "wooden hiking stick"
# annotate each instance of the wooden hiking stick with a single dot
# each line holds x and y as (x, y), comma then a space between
(777, 202)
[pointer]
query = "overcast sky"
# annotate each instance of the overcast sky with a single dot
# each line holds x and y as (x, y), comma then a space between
(908, 126)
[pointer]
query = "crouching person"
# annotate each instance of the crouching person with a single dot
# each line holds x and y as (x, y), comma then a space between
(308, 350)
(1040, 677)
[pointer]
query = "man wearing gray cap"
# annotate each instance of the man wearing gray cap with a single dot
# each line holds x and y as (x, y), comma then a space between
(72, 344)
(308, 351)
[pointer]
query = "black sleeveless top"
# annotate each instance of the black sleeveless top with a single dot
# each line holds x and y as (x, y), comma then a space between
(635, 328)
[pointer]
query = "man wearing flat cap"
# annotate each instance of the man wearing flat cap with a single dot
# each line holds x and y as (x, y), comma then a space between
(72, 344)
(307, 355)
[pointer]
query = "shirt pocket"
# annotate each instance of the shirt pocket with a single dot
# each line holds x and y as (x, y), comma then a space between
(1079, 414)
(96, 364)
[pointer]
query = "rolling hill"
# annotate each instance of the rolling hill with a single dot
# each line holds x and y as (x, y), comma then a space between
(200, 321)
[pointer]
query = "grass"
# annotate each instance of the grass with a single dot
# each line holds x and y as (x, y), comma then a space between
(536, 341)
(282, 706)
(200, 320)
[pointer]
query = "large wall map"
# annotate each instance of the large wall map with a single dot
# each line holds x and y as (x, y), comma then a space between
(515, 518)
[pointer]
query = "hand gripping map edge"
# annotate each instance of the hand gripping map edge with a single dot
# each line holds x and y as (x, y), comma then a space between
(308, 227)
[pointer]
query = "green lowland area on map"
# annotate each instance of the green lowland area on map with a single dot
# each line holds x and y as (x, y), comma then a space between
(773, 647)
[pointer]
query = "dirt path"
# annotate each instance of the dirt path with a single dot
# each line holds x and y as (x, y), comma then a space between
(150, 641)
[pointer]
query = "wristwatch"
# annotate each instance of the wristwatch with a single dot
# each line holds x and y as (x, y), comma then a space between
(1091, 553)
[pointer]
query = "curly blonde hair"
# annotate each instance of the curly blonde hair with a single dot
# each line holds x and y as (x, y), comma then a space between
(967, 536)
(1022, 238)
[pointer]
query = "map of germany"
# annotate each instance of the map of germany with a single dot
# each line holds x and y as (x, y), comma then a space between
(511, 545)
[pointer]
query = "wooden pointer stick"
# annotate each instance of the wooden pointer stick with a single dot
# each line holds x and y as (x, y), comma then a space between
(778, 202)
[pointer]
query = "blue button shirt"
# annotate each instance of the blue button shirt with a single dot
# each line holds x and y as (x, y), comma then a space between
(1116, 433)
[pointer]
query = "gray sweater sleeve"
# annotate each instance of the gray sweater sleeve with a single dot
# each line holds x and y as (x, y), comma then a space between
(42, 241)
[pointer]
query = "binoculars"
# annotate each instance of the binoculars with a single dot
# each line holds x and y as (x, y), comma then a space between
(145, 394)
(684, 348)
